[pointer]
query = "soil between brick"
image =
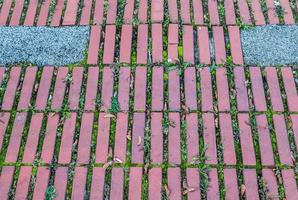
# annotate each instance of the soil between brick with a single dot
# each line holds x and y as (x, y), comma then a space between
(270, 45)
(43, 45)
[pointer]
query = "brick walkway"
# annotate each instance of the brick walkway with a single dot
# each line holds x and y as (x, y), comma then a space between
(162, 107)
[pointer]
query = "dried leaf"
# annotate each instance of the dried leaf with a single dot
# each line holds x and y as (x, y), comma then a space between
(146, 167)
(167, 190)
(109, 115)
(242, 190)
(107, 164)
(172, 123)
(128, 136)
(118, 160)
(110, 153)
(139, 141)
(187, 190)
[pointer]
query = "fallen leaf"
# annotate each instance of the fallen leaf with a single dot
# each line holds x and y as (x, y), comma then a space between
(167, 190)
(109, 115)
(187, 190)
(146, 167)
(172, 123)
(118, 160)
(107, 164)
(139, 141)
(128, 136)
(242, 190)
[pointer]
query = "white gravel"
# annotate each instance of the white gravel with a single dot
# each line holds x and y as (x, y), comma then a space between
(43, 45)
(270, 45)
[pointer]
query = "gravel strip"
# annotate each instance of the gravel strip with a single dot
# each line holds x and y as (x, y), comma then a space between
(43, 45)
(270, 45)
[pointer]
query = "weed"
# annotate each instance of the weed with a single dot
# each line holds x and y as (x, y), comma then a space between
(50, 193)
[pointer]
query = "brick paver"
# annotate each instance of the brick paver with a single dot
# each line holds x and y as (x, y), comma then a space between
(161, 105)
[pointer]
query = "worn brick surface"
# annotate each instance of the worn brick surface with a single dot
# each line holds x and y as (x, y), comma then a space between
(60, 182)
(11, 88)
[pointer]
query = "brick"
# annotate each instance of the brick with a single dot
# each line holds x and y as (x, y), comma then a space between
(109, 44)
(223, 97)
(271, 13)
(188, 44)
(15, 137)
(289, 183)
(97, 185)
(91, 88)
(156, 151)
(56, 18)
(138, 129)
(60, 88)
(117, 184)
(128, 11)
(190, 89)
(142, 14)
(67, 139)
(246, 140)
(244, 12)
(264, 140)
(282, 140)
(5, 9)
(79, 182)
(70, 14)
(174, 183)
(23, 182)
(75, 88)
(86, 12)
(230, 12)
(2, 71)
(257, 89)
(231, 185)
(209, 138)
(270, 181)
(241, 90)
(107, 88)
(251, 184)
(213, 13)
(193, 181)
(174, 138)
(294, 119)
(121, 136)
(102, 146)
(140, 89)
(50, 138)
(85, 138)
(112, 12)
(213, 191)
(173, 43)
(41, 183)
(274, 89)
(290, 88)
(257, 13)
(27, 88)
(157, 47)
(156, 11)
(287, 12)
(11, 88)
(142, 44)
(192, 136)
(17, 12)
(32, 138)
(125, 43)
(4, 118)
(174, 90)
(185, 11)
(6, 179)
(198, 12)
(157, 89)
(43, 13)
(236, 49)
(61, 182)
(44, 88)
(135, 183)
(124, 88)
(203, 44)
(206, 90)
(95, 36)
(227, 138)
(98, 12)
(154, 188)
(219, 44)
(173, 11)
